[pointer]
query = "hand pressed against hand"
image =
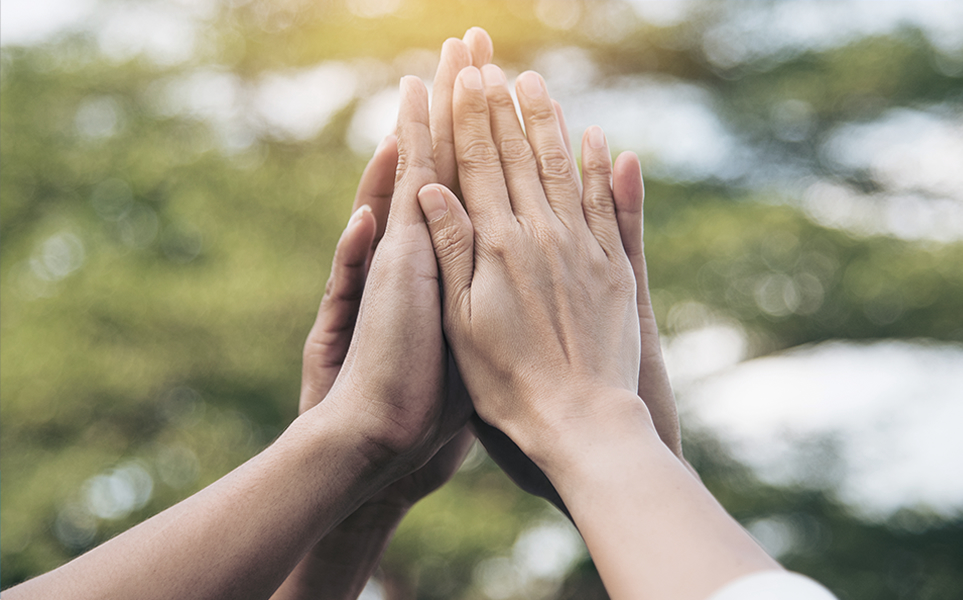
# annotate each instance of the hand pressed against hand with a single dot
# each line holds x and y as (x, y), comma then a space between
(539, 295)
(392, 379)
(329, 340)
(654, 386)
(361, 538)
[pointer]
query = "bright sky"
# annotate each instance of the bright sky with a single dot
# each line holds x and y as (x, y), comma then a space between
(888, 412)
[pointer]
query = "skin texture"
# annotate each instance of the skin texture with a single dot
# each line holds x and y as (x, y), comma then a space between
(340, 564)
(542, 312)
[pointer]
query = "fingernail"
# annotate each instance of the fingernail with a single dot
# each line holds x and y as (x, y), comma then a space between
(531, 84)
(433, 203)
(356, 217)
(471, 78)
(596, 138)
(493, 75)
(382, 144)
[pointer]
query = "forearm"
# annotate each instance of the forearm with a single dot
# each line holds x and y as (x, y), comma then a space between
(651, 527)
(339, 566)
(237, 538)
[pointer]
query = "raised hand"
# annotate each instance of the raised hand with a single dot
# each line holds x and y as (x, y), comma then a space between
(539, 294)
(330, 337)
(541, 311)
(654, 386)
(340, 564)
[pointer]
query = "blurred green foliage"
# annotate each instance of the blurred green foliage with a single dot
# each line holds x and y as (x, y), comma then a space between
(158, 284)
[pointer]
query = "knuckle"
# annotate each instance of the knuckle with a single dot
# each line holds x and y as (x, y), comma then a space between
(451, 246)
(516, 151)
(478, 154)
(600, 204)
(501, 102)
(596, 164)
(449, 243)
(413, 162)
(555, 166)
(498, 244)
(543, 115)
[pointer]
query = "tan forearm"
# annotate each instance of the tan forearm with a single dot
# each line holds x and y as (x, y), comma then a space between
(237, 538)
(339, 566)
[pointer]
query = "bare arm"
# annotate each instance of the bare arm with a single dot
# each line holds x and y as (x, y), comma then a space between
(238, 537)
(385, 417)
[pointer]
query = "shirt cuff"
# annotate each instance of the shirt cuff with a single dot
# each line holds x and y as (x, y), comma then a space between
(766, 585)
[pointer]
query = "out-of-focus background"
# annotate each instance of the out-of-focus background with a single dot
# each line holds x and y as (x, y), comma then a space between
(175, 174)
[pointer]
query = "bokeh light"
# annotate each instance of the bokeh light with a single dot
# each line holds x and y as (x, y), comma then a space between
(175, 174)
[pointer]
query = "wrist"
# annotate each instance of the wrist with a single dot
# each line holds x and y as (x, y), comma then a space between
(365, 466)
(607, 421)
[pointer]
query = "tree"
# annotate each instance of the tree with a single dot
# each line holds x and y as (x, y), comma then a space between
(161, 266)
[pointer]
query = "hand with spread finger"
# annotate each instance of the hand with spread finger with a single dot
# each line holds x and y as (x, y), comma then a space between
(541, 311)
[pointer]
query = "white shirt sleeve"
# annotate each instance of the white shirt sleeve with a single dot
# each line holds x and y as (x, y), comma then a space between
(773, 585)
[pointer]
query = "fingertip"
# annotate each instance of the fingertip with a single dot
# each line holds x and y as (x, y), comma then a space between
(595, 137)
(628, 163)
(361, 215)
(433, 202)
(470, 78)
(531, 84)
(390, 140)
(452, 42)
(457, 49)
(356, 240)
(411, 84)
(480, 45)
(493, 75)
(628, 184)
(386, 152)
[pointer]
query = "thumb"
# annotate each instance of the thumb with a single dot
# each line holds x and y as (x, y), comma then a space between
(453, 238)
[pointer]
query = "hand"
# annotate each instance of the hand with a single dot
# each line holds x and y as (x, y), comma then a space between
(329, 339)
(539, 295)
(339, 565)
(654, 386)
(391, 383)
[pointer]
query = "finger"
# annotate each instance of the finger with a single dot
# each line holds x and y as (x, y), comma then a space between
(628, 192)
(598, 204)
(480, 44)
(559, 179)
(330, 337)
(452, 237)
(378, 184)
(479, 168)
(455, 56)
(565, 137)
(416, 164)
(517, 159)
